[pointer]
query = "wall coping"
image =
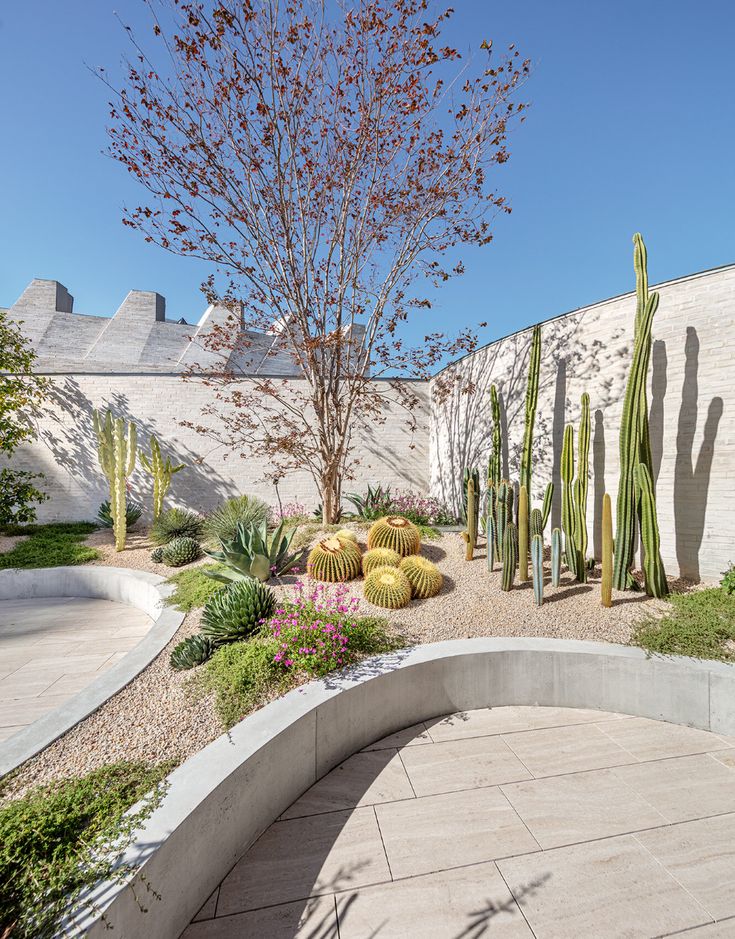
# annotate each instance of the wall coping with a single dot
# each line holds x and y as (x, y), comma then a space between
(140, 589)
(220, 800)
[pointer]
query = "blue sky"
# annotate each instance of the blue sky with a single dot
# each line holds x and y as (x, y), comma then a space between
(631, 128)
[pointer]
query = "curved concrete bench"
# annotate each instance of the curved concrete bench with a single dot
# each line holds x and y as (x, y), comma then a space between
(140, 589)
(226, 795)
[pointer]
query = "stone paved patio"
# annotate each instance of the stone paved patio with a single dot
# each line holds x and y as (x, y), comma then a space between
(511, 823)
(52, 647)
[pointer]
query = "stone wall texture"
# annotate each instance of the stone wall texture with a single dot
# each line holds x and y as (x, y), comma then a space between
(692, 413)
(132, 362)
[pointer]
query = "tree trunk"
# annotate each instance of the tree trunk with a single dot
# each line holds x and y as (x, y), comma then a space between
(331, 491)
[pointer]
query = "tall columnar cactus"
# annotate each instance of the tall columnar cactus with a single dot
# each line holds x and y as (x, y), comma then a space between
(653, 569)
(494, 463)
(523, 534)
(534, 366)
(537, 568)
(503, 513)
(546, 509)
(536, 526)
(556, 557)
(161, 471)
(471, 473)
(470, 536)
(567, 498)
(607, 551)
(510, 556)
(580, 491)
(116, 453)
(490, 531)
(635, 446)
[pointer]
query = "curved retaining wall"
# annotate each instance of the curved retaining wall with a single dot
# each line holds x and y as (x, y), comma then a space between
(226, 795)
(140, 589)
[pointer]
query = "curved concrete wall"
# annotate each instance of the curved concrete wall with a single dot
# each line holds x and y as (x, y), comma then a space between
(140, 589)
(226, 795)
(692, 413)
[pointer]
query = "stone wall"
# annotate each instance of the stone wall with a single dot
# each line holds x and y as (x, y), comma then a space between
(692, 413)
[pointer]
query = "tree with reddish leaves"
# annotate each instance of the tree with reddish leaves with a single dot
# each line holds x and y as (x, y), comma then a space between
(325, 160)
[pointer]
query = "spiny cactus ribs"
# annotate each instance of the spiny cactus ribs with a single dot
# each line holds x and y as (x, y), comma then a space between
(425, 578)
(334, 560)
(379, 557)
(387, 587)
(397, 533)
(180, 551)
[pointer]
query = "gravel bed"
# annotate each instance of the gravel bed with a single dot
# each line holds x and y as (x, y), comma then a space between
(155, 717)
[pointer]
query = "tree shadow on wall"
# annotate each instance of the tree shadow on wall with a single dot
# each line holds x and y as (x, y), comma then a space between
(72, 442)
(691, 480)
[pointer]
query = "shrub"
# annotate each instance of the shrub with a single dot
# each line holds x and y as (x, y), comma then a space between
(237, 611)
(222, 524)
(176, 523)
(66, 836)
(292, 513)
(728, 580)
(421, 510)
(50, 545)
(699, 624)
(17, 493)
(133, 511)
(374, 504)
(193, 587)
(180, 551)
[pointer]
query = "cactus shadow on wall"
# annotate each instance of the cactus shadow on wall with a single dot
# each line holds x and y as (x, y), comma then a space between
(77, 453)
(598, 472)
(691, 479)
(659, 383)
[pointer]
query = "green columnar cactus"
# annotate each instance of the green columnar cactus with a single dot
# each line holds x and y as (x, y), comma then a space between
(116, 453)
(548, 498)
(580, 491)
(653, 569)
(503, 514)
(510, 555)
(489, 516)
(634, 442)
(490, 531)
(473, 498)
(494, 464)
(556, 557)
(537, 522)
(523, 535)
(472, 519)
(607, 551)
(161, 472)
(567, 498)
(534, 366)
(537, 567)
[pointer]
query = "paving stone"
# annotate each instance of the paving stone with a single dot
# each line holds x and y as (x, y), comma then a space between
(305, 919)
(505, 720)
(408, 737)
(567, 750)
(656, 740)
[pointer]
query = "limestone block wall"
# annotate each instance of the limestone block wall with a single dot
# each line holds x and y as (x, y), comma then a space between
(691, 401)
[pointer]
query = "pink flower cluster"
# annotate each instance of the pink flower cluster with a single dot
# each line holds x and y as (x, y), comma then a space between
(422, 509)
(277, 513)
(311, 632)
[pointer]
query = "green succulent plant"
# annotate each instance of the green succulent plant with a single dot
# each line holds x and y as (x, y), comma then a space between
(387, 587)
(133, 511)
(180, 551)
(379, 557)
(425, 578)
(396, 532)
(195, 650)
(222, 524)
(176, 523)
(334, 560)
(237, 611)
(157, 555)
(255, 554)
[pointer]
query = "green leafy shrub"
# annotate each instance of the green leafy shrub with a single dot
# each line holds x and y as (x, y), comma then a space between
(222, 524)
(700, 624)
(373, 504)
(237, 611)
(65, 837)
(193, 587)
(195, 650)
(180, 551)
(50, 545)
(133, 511)
(17, 493)
(728, 580)
(176, 523)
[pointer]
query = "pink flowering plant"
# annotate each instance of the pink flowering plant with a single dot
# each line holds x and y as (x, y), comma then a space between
(319, 630)
(421, 510)
(287, 511)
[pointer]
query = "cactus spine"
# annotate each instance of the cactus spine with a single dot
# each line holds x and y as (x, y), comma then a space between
(653, 569)
(567, 498)
(580, 491)
(116, 454)
(534, 365)
(510, 556)
(634, 442)
(161, 472)
(523, 535)
(537, 566)
(555, 557)
(470, 536)
(607, 551)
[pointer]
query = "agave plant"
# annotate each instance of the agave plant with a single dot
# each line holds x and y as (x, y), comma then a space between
(374, 504)
(254, 554)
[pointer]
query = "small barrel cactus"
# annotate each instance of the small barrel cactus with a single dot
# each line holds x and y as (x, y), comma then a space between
(379, 557)
(235, 612)
(425, 578)
(180, 551)
(346, 534)
(192, 651)
(387, 587)
(157, 555)
(396, 532)
(334, 560)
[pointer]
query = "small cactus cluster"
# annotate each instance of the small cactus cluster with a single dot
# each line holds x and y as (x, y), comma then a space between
(388, 587)
(395, 532)
(180, 551)
(379, 557)
(334, 560)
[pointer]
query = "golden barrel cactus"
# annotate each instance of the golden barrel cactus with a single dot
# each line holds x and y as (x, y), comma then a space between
(379, 557)
(395, 532)
(346, 534)
(334, 560)
(425, 578)
(387, 587)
